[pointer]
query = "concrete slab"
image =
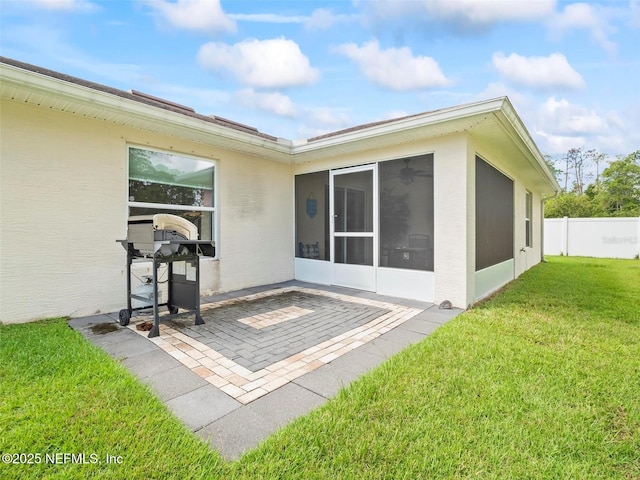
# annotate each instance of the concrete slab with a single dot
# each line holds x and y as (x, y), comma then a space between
(403, 337)
(439, 315)
(419, 325)
(235, 433)
(122, 346)
(328, 380)
(285, 404)
(381, 347)
(358, 361)
(172, 383)
(246, 427)
(85, 322)
(151, 363)
(202, 406)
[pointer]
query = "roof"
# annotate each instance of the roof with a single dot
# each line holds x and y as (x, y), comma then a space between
(136, 96)
(492, 122)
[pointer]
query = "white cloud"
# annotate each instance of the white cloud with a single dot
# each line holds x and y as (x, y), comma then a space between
(634, 5)
(267, 18)
(274, 63)
(322, 120)
(551, 144)
(323, 19)
(553, 71)
(561, 125)
(272, 102)
(459, 14)
(52, 43)
(582, 16)
(201, 15)
(394, 114)
(203, 100)
(80, 6)
(520, 101)
(489, 11)
(567, 119)
(394, 68)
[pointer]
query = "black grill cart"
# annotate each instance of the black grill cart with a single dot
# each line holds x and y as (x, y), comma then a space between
(171, 240)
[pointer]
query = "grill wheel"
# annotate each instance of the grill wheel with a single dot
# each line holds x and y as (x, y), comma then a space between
(124, 316)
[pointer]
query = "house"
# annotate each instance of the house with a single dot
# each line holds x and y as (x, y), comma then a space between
(442, 205)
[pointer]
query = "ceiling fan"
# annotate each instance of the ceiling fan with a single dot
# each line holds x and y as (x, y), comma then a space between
(408, 174)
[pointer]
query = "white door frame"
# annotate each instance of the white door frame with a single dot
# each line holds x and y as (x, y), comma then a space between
(362, 277)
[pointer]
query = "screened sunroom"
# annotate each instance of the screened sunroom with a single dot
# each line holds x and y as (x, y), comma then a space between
(367, 225)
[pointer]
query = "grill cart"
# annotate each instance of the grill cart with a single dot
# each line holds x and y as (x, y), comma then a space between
(171, 240)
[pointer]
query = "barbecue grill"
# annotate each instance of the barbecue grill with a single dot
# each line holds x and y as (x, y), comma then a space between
(172, 240)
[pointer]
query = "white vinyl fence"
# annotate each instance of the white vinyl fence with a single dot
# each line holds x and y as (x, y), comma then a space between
(592, 237)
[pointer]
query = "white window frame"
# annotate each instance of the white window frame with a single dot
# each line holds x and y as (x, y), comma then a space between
(528, 213)
(165, 206)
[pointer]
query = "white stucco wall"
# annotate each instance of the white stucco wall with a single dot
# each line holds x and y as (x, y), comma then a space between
(454, 220)
(63, 196)
(63, 187)
(256, 221)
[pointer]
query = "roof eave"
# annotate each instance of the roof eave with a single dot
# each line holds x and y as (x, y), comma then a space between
(521, 137)
(17, 83)
(400, 125)
(29, 84)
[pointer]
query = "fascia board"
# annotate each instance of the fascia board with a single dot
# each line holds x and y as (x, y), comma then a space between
(401, 125)
(141, 115)
(149, 117)
(507, 117)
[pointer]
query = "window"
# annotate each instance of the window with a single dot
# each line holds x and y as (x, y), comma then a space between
(527, 220)
(163, 182)
(406, 213)
(494, 216)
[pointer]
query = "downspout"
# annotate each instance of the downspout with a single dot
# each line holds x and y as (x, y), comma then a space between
(542, 202)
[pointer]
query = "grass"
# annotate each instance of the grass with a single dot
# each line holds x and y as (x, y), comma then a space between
(540, 381)
(59, 394)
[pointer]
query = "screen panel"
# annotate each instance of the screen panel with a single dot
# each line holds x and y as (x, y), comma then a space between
(494, 216)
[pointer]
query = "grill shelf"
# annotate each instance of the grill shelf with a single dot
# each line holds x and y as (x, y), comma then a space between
(166, 239)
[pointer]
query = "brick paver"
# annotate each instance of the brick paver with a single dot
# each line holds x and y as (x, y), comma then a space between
(253, 345)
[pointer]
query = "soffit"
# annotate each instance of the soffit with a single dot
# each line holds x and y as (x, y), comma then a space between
(493, 123)
(371, 139)
(57, 94)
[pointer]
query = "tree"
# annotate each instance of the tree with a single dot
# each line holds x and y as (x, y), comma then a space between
(557, 172)
(570, 204)
(620, 189)
(578, 162)
(615, 191)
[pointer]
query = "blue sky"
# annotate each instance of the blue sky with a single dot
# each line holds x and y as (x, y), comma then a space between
(297, 69)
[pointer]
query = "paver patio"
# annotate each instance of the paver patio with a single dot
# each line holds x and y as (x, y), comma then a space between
(264, 356)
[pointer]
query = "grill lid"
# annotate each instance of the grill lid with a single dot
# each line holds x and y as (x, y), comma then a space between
(165, 221)
(168, 222)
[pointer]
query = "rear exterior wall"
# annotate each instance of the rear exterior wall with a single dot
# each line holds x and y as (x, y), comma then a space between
(64, 187)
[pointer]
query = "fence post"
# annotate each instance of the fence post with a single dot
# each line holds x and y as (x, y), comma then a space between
(565, 236)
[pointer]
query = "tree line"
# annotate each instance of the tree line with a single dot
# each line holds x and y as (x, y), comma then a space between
(591, 188)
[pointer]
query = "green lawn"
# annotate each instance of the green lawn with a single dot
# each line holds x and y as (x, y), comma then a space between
(541, 381)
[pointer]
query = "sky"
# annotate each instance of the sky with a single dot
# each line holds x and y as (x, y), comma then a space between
(300, 68)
